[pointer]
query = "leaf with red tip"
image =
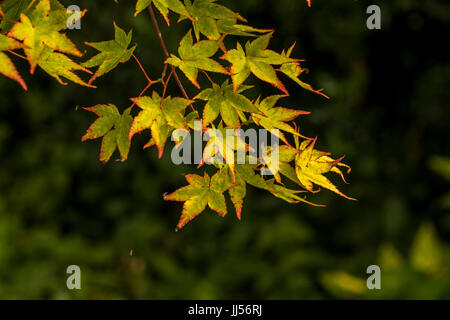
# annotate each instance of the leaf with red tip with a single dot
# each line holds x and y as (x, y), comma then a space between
(163, 6)
(293, 70)
(159, 116)
(196, 56)
(271, 117)
(208, 17)
(201, 192)
(7, 67)
(111, 53)
(113, 127)
(256, 59)
(41, 28)
(222, 100)
(311, 165)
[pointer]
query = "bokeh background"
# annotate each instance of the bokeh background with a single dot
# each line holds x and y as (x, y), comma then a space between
(388, 113)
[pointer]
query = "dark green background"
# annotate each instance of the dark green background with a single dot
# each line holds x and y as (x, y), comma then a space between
(388, 113)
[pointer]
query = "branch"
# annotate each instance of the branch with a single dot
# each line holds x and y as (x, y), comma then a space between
(166, 53)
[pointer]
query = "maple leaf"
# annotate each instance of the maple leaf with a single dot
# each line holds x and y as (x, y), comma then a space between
(57, 65)
(237, 190)
(7, 67)
(271, 117)
(201, 192)
(256, 59)
(160, 117)
(207, 16)
(247, 173)
(230, 105)
(112, 53)
(163, 6)
(311, 165)
(39, 29)
(219, 149)
(114, 129)
(232, 27)
(196, 56)
(293, 71)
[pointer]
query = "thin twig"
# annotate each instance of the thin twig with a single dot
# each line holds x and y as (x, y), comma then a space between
(165, 89)
(206, 74)
(16, 54)
(7, 20)
(166, 52)
(142, 69)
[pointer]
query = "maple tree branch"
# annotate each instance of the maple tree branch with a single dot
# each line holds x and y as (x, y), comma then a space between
(142, 69)
(166, 53)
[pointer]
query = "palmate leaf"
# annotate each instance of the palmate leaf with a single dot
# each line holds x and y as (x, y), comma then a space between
(311, 165)
(201, 192)
(246, 172)
(163, 6)
(230, 105)
(219, 150)
(113, 127)
(7, 67)
(112, 53)
(59, 65)
(207, 16)
(256, 59)
(237, 193)
(41, 28)
(196, 56)
(271, 117)
(11, 10)
(293, 71)
(160, 117)
(232, 27)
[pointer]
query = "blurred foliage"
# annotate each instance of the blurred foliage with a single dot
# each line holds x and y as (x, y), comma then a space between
(423, 274)
(388, 114)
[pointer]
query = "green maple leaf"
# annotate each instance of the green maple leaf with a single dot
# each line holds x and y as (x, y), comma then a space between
(201, 192)
(311, 165)
(232, 27)
(293, 71)
(161, 118)
(207, 16)
(271, 117)
(59, 65)
(163, 6)
(256, 59)
(113, 127)
(246, 172)
(7, 67)
(230, 105)
(42, 28)
(237, 190)
(13, 8)
(196, 56)
(112, 53)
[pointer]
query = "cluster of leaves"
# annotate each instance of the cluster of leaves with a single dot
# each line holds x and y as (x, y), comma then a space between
(36, 28)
